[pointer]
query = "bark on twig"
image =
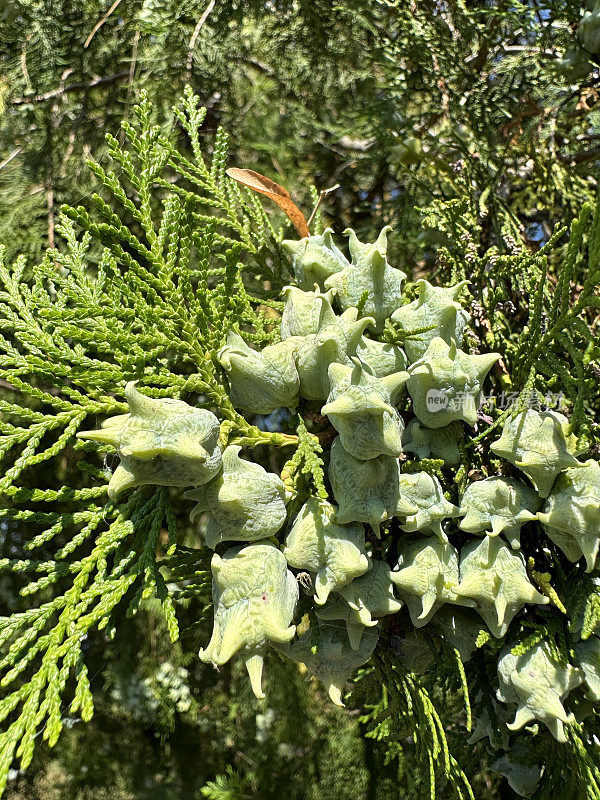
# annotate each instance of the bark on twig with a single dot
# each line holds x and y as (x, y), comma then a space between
(73, 87)
(195, 34)
(99, 24)
(322, 195)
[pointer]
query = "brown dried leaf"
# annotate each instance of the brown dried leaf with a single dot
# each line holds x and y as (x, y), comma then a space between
(258, 183)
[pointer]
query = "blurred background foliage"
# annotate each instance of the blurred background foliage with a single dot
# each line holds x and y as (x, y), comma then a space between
(401, 103)
(490, 108)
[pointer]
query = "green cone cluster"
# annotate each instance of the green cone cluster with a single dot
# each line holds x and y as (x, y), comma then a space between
(380, 535)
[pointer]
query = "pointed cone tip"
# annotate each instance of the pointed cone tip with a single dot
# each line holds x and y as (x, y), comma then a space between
(469, 411)
(342, 405)
(196, 510)
(138, 403)
(337, 371)
(378, 405)
(381, 241)
(254, 665)
(120, 481)
(101, 435)
(335, 693)
(428, 601)
(188, 448)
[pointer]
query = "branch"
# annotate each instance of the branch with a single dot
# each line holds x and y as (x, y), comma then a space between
(360, 145)
(9, 158)
(197, 29)
(101, 22)
(322, 196)
(73, 87)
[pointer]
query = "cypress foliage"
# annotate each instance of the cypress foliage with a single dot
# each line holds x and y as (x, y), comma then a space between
(471, 130)
(145, 288)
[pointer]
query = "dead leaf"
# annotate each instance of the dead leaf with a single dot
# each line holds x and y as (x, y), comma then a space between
(258, 183)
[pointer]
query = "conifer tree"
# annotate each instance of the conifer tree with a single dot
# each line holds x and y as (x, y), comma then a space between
(488, 177)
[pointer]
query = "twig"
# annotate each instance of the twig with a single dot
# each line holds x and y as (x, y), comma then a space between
(360, 145)
(525, 48)
(74, 87)
(322, 195)
(10, 157)
(98, 25)
(192, 45)
(24, 69)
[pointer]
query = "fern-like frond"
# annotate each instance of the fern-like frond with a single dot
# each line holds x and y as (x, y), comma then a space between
(145, 288)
